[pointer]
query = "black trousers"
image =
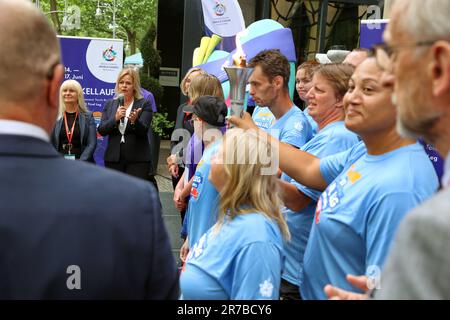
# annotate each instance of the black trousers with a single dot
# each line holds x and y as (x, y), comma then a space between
(135, 169)
(289, 291)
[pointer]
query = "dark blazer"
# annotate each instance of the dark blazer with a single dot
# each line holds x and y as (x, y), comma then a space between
(136, 145)
(88, 135)
(57, 213)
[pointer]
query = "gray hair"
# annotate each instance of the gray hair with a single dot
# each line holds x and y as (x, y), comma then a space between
(29, 50)
(426, 20)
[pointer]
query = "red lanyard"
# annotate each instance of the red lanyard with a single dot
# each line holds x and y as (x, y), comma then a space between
(69, 134)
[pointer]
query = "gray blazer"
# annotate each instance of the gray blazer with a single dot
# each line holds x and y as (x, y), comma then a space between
(418, 266)
(88, 135)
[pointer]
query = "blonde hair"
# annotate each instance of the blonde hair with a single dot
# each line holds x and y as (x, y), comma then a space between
(134, 77)
(184, 81)
(205, 85)
(76, 86)
(246, 189)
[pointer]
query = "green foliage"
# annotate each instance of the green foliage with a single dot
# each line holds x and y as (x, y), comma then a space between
(151, 57)
(161, 125)
(132, 18)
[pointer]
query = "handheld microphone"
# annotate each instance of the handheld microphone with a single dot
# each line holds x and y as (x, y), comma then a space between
(121, 98)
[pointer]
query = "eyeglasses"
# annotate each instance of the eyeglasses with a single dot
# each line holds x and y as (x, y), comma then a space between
(386, 54)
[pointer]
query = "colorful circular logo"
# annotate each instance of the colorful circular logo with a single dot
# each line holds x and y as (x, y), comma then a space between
(219, 9)
(109, 54)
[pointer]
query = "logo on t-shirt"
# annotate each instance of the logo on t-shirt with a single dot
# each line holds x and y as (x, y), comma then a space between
(298, 126)
(266, 288)
(196, 183)
(331, 197)
(318, 209)
(352, 175)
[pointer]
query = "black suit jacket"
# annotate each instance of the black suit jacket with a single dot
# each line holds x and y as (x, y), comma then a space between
(136, 145)
(57, 213)
(88, 135)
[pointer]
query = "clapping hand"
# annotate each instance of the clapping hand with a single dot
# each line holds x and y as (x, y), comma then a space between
(134, 114)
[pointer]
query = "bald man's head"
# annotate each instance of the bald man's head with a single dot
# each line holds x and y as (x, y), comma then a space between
(29, 50)
(355, 57)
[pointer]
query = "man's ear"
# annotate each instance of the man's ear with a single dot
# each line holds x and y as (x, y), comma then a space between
(278, 81)
(439, 70)
(55, 84)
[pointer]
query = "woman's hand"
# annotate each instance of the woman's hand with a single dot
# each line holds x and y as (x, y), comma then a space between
(134, 114)
(178, 201)
(120, 113)
(173, 170)
(172, 165)
(184, 251)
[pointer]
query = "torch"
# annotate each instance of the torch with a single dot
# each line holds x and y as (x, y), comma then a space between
(238, 75)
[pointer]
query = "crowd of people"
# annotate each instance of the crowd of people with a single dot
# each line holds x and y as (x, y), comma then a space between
(338, 200)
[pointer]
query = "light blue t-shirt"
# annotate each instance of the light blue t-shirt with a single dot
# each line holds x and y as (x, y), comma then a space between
(312, 122)
(242, 261)
(292, 128)
(359, 212)
(332, 139)
(203, 202)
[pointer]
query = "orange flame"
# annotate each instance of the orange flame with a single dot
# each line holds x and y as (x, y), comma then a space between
(239, 57)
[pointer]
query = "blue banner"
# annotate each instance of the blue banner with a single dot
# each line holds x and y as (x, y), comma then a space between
(95, 64)
(371, 32)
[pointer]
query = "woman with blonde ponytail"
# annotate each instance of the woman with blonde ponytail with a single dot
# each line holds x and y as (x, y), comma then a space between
(241, 256)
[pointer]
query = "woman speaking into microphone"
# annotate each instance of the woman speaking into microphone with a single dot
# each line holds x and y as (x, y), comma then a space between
(126, 120)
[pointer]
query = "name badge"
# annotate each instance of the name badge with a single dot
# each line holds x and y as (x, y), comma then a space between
(69, 156)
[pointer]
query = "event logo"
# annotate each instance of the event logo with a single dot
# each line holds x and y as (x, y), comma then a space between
(219, 9)
(109, 54)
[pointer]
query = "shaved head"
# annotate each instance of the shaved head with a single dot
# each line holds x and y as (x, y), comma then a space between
(29, 50)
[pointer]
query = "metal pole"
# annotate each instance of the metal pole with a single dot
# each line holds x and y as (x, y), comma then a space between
(266, 14)
(114, 19)
(322, 28)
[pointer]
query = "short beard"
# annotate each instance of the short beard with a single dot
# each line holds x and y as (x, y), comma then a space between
(420, 129)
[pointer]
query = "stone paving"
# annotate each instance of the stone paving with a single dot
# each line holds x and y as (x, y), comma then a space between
(170, 213)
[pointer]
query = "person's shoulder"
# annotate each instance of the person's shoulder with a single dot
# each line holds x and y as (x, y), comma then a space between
(433, 212)
(109, 184)
(413, 164)
(257, 227)
(338, 132)
(428, 223)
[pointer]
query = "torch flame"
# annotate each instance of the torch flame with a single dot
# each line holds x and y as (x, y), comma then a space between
(239, 57)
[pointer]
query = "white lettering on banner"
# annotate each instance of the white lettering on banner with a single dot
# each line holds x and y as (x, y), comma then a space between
(98, 92)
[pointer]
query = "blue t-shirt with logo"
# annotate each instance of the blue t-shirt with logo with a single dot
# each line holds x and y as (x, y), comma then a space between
(359, 212)
(203, 202)
(242, 261)
(292, 128)
(332, 139)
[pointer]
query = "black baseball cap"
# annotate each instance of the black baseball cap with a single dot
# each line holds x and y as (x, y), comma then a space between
(210, 109)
